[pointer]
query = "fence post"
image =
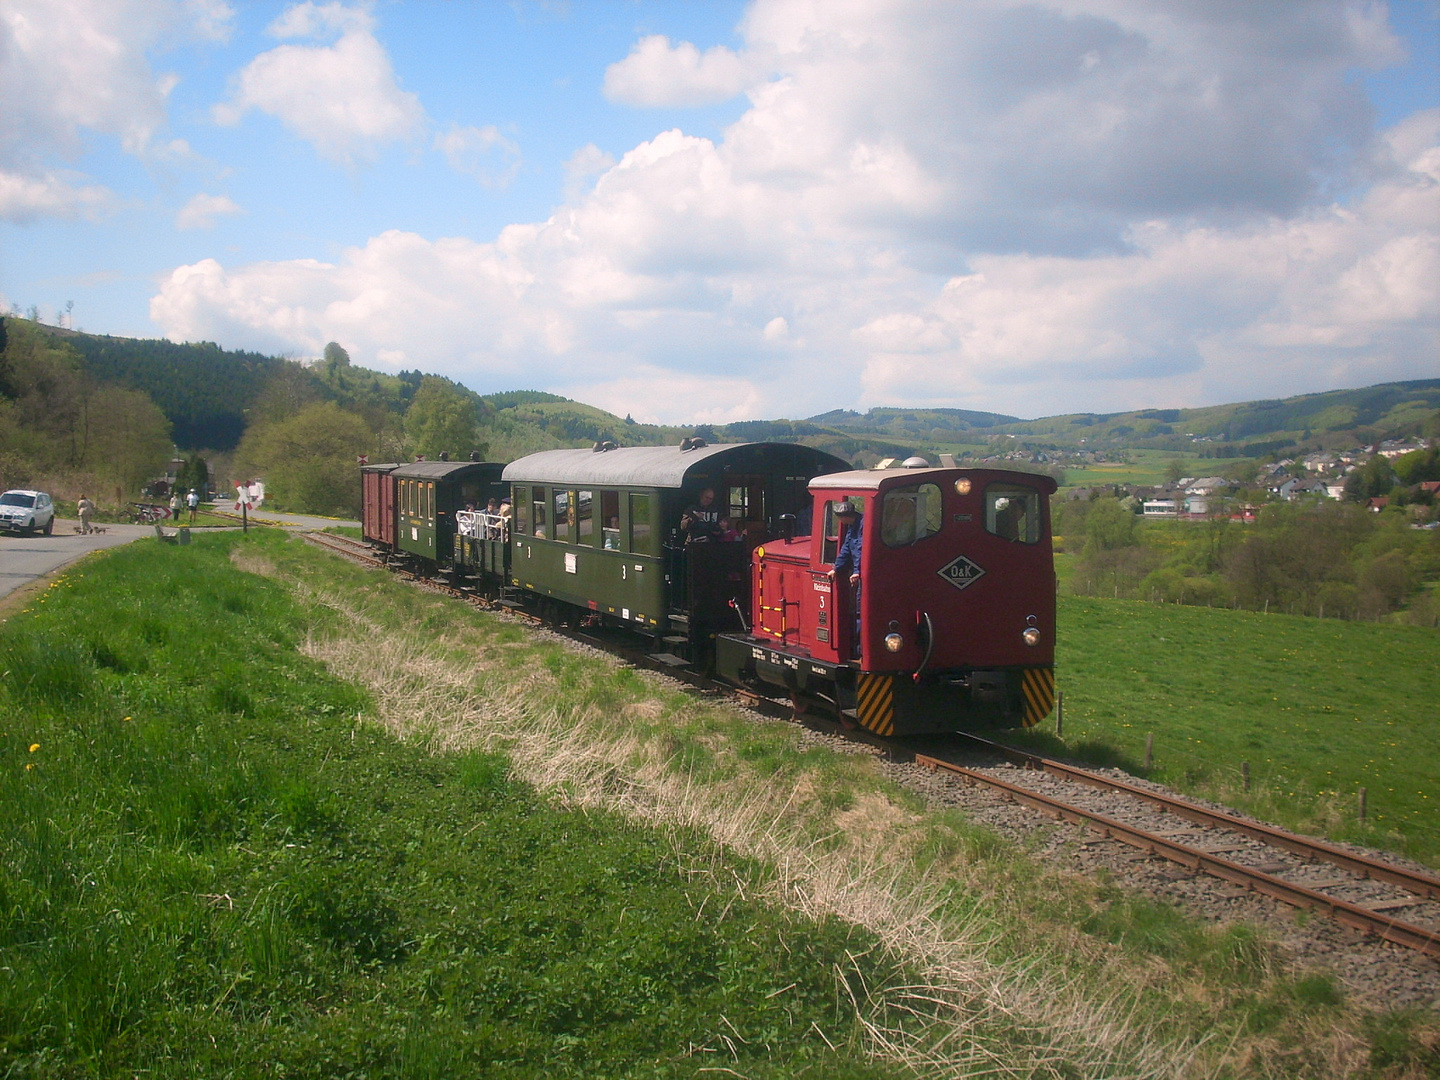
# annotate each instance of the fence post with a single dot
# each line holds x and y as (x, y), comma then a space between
(1149, 750)
(1059, 713)
(1363, 793)
(1245, 774)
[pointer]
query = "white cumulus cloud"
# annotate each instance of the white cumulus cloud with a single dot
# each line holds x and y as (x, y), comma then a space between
(657, 73)
(71, 67)
(1024, 206)
(202, 210)
(343, 98)
(481, 153)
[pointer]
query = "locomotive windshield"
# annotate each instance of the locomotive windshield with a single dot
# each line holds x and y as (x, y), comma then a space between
(910, 514)
(1013, 512)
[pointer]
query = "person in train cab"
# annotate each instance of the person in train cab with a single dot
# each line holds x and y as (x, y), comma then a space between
(847, 559)
(726, 531)
(701, 520)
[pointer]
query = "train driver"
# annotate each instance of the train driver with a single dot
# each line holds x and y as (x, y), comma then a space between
(847, 559)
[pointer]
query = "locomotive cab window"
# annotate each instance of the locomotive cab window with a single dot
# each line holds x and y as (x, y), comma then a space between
(910, 514)
(831, 547)
(1013, 512)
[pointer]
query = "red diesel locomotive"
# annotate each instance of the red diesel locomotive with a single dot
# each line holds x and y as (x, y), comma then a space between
(951, 623)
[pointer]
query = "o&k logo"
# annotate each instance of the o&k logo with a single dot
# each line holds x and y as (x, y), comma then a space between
(961, 572)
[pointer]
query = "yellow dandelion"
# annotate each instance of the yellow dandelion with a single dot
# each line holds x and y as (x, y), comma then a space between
(126, 720)
(34, 746)
(29, 766)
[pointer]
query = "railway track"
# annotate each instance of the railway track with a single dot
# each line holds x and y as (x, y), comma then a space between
(1294, 869)
(1249, 854)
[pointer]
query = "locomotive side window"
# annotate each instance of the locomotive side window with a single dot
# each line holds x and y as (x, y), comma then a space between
(640, 524)
(831, 546)
(610, 519)
(584, 528)
(1013, 512)
(562, 515)
(910, 514)
(537, 512)
(521, 508)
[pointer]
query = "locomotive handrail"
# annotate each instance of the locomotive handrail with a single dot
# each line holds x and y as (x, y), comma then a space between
(929, 645)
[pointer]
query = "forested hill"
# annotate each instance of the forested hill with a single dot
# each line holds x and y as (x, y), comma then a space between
(202, 389)
(1333, 419)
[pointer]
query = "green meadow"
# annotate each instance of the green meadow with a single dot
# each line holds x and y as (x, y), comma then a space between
(213, 867)
(267, 813)
(1318, 709)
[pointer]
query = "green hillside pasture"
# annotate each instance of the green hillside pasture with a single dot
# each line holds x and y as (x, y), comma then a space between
(1145, 467)
(1319, 708)
(212, 867)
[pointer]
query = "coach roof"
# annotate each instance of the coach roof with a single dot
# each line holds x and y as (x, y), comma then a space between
(442, 470)
(664, 466)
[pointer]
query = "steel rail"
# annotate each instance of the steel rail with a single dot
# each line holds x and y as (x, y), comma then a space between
(1351, 915)
(1414, 881)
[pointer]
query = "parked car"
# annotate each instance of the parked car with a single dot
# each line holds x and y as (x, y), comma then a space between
(23, 511)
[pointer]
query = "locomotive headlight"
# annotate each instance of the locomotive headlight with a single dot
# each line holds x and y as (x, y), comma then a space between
(894, 642)
(1031, 636)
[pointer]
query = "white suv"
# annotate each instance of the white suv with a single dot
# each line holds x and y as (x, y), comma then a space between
(27, 511)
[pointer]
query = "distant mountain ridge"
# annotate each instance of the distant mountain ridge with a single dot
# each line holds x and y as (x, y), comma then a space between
(204, 390)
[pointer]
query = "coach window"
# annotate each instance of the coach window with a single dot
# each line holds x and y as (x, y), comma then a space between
(521, 508)
(1013, 512)
(429, 502)
(538, 514)
(584, 520)
(910, 514)
(610, 520)
(561, 518)
(640, 524)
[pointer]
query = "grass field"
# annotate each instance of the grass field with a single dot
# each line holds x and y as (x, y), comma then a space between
(1145, 467)
(263, 812)
(213, 868)
(1319, 708)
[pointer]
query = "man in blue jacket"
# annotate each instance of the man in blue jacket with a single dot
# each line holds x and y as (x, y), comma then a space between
(847, 561)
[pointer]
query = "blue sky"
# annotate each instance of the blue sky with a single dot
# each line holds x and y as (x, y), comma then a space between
(722, 211)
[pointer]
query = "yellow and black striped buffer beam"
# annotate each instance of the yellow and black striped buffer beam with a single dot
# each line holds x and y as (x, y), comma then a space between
(875, 702)
(1039, 687)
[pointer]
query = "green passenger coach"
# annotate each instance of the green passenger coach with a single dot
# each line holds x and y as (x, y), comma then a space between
(600, 530)
(428, 495)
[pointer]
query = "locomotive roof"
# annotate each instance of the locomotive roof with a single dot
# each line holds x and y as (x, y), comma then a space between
(659, 466)
(871, 479)
(441, 470)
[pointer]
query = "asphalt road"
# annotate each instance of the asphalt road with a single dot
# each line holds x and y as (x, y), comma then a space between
(25, 558)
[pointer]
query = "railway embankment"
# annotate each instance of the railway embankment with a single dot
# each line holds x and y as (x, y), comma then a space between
(281, 808)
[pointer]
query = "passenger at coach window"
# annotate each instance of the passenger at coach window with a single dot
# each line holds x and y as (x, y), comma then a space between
(701, 519)
(726, 531)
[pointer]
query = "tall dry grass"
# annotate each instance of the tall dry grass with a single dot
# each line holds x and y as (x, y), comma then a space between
(979, 1015)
